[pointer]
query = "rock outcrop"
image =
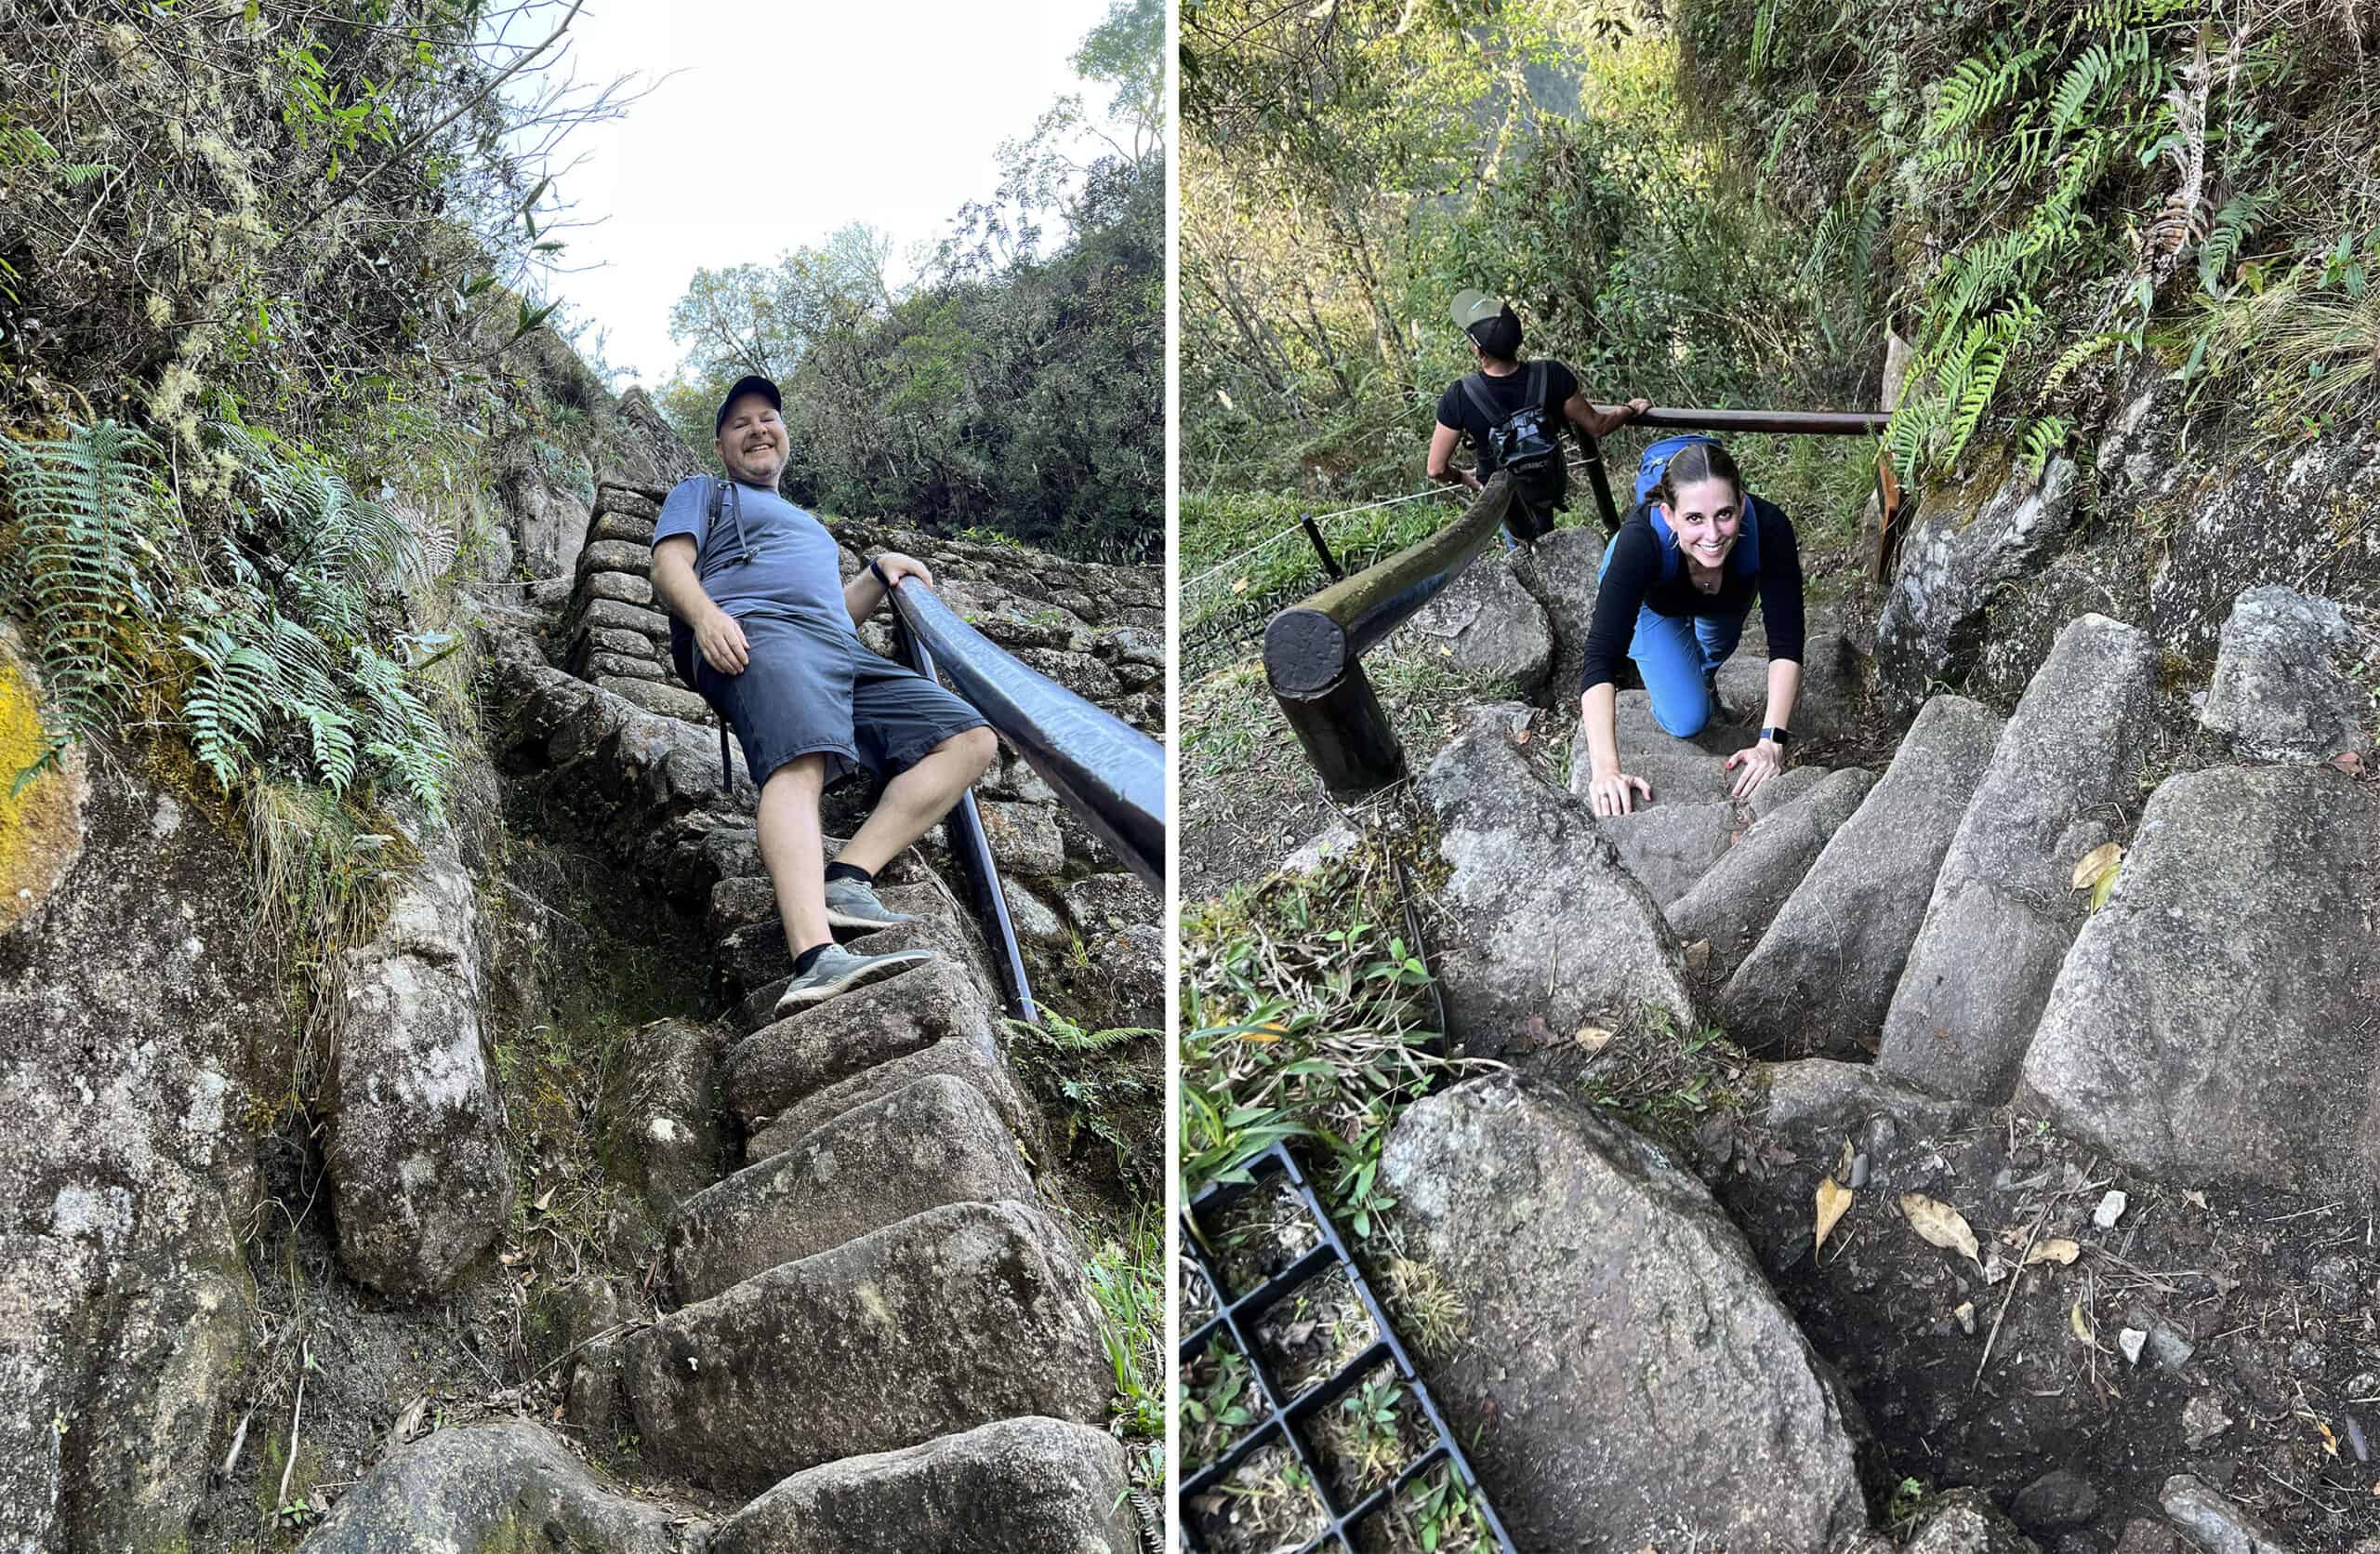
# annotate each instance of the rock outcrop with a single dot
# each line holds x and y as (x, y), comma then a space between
(1555, 928)
(1600, 1282)
(2004, 909)
(494, 1489)
(1484, 625)
(2283, 685)
(419, 1177)
(2212, 1020)
(1822, 977)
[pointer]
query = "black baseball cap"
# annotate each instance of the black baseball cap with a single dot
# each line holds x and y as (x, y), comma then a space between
(749, 384)
(1490, 321)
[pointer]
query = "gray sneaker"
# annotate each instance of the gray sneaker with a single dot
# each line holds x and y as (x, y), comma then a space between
(838, 970)
(853, 904)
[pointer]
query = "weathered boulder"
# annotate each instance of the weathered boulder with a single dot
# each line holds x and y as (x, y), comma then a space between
(1485, 626)
(130, 1007)
(1564, 568)
(493, 1489)
(420, 1180)
(2213, 1524)
(811, 1049)
(935, 1141)
(1038, 1484)
(41, 825)
(2205, 1023)
(1599, 1282)
(975, 1057)
(1111, 903)
(1024, 837)
(1820, 1095)
(1822, 976)
(1732, 904)
(1034, 920)
(1670, 846)
(2004, 909)
(1969, 542)
(664, 1128)
(1964, 1521)
(951, 1319)
(1554, 927)
(2282, 690)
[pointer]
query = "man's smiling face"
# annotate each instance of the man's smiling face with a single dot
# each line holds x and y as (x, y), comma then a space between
(752, 444)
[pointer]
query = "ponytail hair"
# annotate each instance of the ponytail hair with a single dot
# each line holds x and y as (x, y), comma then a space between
(1699, 461)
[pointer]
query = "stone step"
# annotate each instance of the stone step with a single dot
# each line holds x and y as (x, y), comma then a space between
(975, 1057)
(954, 945)
(2213, 1019)
(794, 1057)
(755, 954)
(1016, 1486)
(1670, 846)
(1734, 903)
(669, 699)
(491, 1487)
(1680, 770)
(2004, 909)
(949, 1320)
(1822, 976)
(935, 1141)
(621, 587)
(615, 555)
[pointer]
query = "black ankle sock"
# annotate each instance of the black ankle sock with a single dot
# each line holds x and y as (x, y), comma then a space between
(848, 871)
(802, 962)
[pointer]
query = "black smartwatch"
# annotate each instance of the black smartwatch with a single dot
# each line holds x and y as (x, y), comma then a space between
(879, 571)
(1778, 735)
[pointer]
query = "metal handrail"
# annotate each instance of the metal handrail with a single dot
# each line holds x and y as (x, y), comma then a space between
(1110, 774)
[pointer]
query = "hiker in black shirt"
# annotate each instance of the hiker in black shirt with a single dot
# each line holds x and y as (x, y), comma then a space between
(1677, 581)
(1482, 406)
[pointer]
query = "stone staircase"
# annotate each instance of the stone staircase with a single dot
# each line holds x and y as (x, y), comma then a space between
(1926, 917)
(870, 1330)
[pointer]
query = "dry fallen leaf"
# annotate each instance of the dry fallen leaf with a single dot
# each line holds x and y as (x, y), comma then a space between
(1522, 737)
(1239, 585)
(2329, 1441)
(2057, 1249)
(1834, 1202)
(1843, 1161)
(1594, 1038)
(546, 1200)
(2081, 1324)
(2097, 864)
(2352, 764)
(2194, 1198)
(1941, 1225)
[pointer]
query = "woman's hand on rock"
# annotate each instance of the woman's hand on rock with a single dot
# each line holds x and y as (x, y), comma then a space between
(1760, 763)
(1615, 792)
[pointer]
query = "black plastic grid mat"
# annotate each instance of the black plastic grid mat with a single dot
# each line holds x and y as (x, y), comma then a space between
(1281, 1419)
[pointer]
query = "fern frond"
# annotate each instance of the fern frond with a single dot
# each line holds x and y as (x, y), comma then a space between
(1978, 85)
(87, 525)
(228, 701)
(2224, 237)
(2042, 439)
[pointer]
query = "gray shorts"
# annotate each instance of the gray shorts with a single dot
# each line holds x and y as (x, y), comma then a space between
(811, 689)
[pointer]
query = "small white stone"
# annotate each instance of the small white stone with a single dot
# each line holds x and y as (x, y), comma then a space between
(2132, 1341)
(2110, 1209)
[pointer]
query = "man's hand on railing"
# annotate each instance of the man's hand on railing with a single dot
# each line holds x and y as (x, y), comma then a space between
(892, 566)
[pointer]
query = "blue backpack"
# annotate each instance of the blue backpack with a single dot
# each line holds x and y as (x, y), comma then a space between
(1743, 561)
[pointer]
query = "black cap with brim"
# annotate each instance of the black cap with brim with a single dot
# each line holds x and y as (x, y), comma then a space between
(751, 384)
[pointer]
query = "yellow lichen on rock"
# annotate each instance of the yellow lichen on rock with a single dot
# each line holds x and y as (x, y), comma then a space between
(41, 827)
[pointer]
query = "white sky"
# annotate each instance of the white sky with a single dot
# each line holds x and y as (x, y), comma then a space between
(786, 123)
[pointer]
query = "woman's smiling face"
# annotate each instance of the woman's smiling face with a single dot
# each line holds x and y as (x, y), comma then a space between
(1707, 517)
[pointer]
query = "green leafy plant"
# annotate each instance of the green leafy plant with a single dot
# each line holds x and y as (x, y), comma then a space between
(87, 569)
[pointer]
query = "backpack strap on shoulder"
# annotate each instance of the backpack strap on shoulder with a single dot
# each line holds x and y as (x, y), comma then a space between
(1475, 385)
(1537, 385)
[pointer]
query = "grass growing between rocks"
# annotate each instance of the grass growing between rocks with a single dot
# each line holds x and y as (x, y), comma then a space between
(1127, 1281)
(1663, 1081)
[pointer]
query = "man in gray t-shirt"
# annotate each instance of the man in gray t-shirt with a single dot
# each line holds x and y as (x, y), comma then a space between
(765, 629)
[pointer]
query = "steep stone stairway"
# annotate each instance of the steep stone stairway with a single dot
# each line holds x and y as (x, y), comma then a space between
(2084, 993)
(869, 1330)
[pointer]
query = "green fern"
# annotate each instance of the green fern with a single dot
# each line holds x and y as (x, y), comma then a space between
(229, 701)
(88, 523)
(1980, 85)
(2224, 237)
(2041, 440)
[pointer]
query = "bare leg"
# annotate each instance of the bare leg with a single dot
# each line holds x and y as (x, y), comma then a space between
(919, 797)
(794, 850)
